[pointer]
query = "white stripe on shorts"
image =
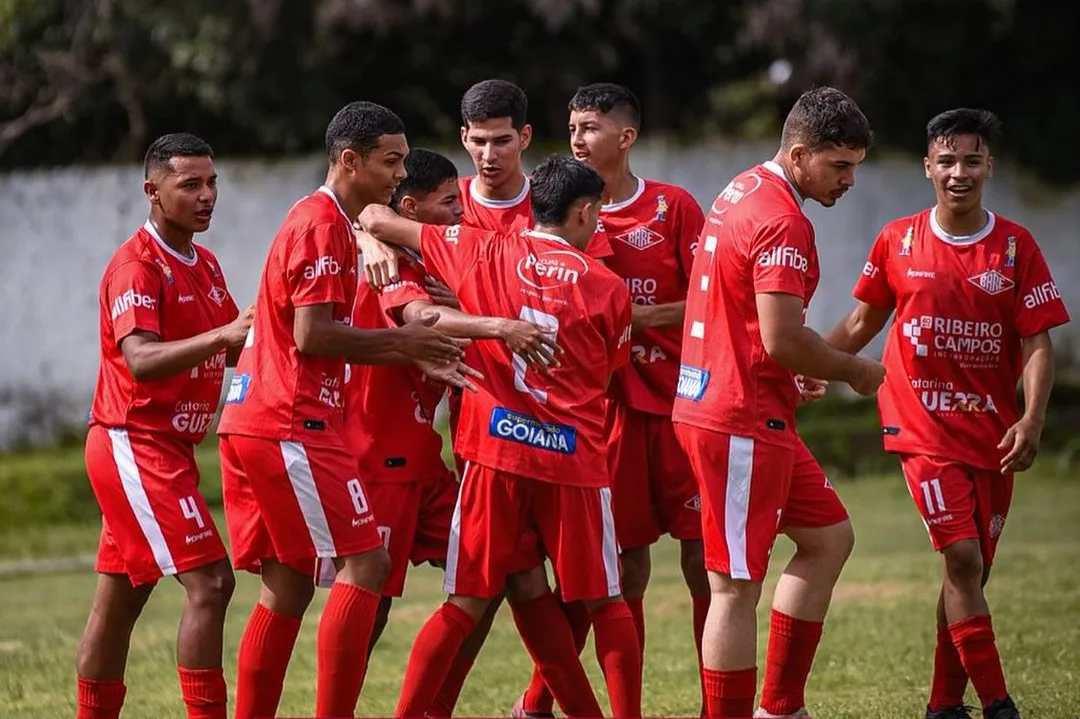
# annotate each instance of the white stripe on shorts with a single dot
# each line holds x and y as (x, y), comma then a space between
(737, 503)
(453, 546)
(131, 481)
(611, 546)
(298, 468)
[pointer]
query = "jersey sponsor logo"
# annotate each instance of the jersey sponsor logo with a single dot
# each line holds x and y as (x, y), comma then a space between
(130, 299)
(551, 269)
(997, 525)
(193, 417)
(213, 368)
(736, 191)
(642, 290)
(921, 274)
(692, 383)
(238, 388)
(626, 334)
(942, 396)
(218, 295)
(323, 267)
(694, 503)
(992, 282)
(513, 426)
(450, 234)
(1041, 294)
(871, 270)
(905, 243)
(184, 299)
(399, 285)
(953, 337)
(330, 392)
(640, 238)
(786, 256)
(640, 354)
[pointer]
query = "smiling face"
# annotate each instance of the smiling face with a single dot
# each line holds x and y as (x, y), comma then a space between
(185, 192)
(957, 166)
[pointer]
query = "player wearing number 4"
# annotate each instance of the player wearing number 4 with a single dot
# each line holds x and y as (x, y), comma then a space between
(168, 329)
(974, 303)
(534, 443)
(290, 484)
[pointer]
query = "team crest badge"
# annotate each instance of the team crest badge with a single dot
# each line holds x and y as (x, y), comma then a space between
(1010, 252)
(905, 244)
(661, 209)
(165, 270)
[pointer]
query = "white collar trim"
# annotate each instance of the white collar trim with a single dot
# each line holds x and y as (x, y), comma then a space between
(961, 240)
(547, 236)
(474, 193)
(777, 170)
(330, 193)
(189, 261)
(616, 206)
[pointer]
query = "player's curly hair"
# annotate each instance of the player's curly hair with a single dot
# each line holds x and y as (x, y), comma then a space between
(604, 97)
(427, 170)
(177, 144)
(557, 184)
(964, 121)
(494, 98)
(358, 127)
(825, 117)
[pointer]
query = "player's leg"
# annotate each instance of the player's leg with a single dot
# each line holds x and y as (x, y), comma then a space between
(744, 484)
(949, 681)
(486, 516)
(269, 637)
(816, 521)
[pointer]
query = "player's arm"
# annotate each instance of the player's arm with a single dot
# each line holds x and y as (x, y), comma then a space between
(669, 314)
(861, 326)
(389, 227)
(148, 358)
(1022, 439)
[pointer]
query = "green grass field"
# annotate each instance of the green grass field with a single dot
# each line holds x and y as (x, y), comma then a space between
(874, 660)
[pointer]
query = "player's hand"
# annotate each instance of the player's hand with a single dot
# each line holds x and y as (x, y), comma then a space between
(380, 260)
(440, 293)
(869, 374)
(420, 343)
(455, 374)
(535, 344)
(810, 389)
(235, 333)
(1022, 444)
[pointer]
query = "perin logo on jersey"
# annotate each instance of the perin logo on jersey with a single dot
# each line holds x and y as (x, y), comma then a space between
(661, 208)
(521, 428)
(1010, 252)
(555, 268)
(165, 270)
(905, 244)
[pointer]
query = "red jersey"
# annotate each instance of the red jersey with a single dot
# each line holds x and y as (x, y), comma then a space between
(756, 240)
(953, 355)
(150, 287)
(513, 215)
(389, 408)
(278, 392)
(549, 428)
(653, 235)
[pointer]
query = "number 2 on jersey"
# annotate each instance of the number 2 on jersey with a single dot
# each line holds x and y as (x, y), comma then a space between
(541, 319)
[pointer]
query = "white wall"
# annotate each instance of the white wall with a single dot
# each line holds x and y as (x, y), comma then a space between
(59, 228)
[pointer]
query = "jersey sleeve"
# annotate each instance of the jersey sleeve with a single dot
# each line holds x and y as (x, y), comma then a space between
(619, 334)
(873, 285)
(1039, 306)
(314, 273)
(689, 221)
(600, 243)
(780, 252)
(409, 288)
(133, 294)
(450, 251)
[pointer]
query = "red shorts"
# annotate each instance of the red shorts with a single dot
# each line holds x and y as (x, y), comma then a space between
(496, 510)
(154, 520)
(654, 491)
(958, 501)
(751, 491)
(292, 503)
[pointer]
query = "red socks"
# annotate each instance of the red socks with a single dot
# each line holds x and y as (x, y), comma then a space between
(974, 641)
(432, 654)
(538, 699)
(341, 648)
(701, 611)
(265, 650)
(204, 692)
(446, 700)
(619, 653)
(544, 630)
(729, 695)
(100, 698)
(637, 612)
(950, 680)
(792, 645)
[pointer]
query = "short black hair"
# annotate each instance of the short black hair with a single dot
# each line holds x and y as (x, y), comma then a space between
(604, 97)
(557, 184)
(427, 171)
(176, 144)
(825, 116)
(495, 98)
(964, 121)
(358, 127)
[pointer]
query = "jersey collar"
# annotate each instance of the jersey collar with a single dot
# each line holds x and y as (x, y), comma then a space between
(189, 261)
(330, 193)
(499, 204)
(777, 170)
(547, 236)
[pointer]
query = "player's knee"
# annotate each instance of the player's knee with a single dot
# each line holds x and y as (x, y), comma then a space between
(830, 545)
(963, 562)
(692, 559)
(527, 586)
(368, 570)
(735, 593)
(211, 588)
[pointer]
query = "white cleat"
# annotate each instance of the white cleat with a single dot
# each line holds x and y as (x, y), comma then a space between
(762, 714)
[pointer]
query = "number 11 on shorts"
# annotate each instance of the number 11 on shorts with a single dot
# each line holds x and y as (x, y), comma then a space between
(935, 500)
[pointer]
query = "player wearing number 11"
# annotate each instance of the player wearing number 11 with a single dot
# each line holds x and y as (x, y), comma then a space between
(534, 443)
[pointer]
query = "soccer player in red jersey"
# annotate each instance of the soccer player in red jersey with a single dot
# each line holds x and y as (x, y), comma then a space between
(653, 228)
(169, 327)
(410, 489)
(974, 303)
(534, 444)
(744, 345)
(290, 483)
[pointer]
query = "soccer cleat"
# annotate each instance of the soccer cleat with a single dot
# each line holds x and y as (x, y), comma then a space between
(960, 712)
(1002, 709)
(762, 714)
(518, 712)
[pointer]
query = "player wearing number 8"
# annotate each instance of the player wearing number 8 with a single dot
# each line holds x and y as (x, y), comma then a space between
(534, 443)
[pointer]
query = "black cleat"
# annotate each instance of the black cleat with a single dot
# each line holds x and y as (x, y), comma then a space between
(960, 712)
(1002, 709)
